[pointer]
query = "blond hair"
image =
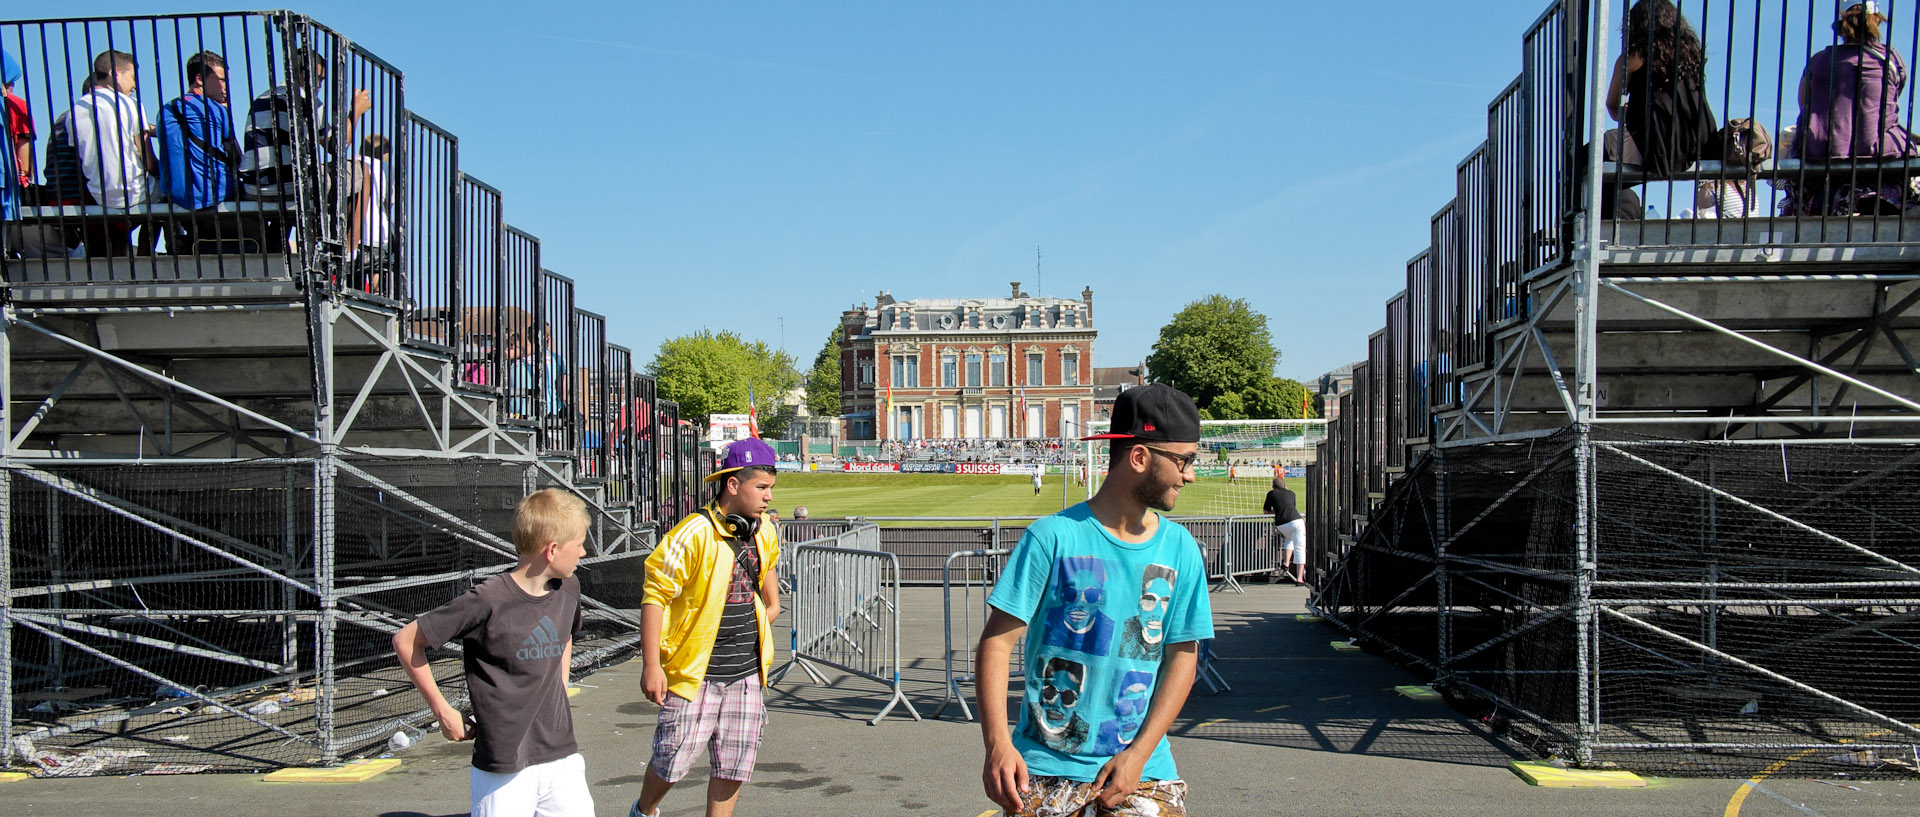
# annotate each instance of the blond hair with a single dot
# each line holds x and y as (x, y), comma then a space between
(547, 515)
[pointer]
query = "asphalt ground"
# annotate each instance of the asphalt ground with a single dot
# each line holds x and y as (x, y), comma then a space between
(1305, 730)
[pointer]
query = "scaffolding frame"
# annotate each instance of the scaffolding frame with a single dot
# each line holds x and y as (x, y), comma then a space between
(1578, 349)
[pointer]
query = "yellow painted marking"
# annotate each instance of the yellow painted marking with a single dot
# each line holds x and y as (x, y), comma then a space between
(1310, 619)
(989, 812)
(1207, 723)
(13, 777)
(1274, 708)
(572, 691)
(1418, 693)
(1335, 697)
(1543, 774)
(1343, 646)
(1739, 797)
(353, 772)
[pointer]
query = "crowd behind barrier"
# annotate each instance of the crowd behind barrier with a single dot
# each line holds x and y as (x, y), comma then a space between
(265, 146)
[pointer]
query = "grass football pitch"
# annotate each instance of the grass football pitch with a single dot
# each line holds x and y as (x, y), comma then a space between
(839, 495)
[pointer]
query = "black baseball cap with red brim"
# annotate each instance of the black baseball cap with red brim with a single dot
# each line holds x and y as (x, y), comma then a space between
(1156, 413)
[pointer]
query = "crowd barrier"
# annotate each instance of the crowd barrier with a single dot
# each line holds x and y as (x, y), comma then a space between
(969, 571)
(973, 573)
(1235, 547)
(845, 612)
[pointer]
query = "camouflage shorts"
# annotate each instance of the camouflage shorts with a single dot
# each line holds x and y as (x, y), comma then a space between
(1060, 797)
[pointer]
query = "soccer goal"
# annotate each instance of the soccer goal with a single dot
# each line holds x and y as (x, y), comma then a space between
(1238, 461)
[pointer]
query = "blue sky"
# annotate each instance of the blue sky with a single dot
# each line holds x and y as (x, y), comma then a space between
(752, 166)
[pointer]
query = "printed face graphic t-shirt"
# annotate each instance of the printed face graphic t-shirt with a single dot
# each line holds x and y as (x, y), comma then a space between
(1099, 614)
(512, 645)
(736, 650)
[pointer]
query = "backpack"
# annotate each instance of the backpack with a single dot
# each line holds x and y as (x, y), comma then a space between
(1744, 143)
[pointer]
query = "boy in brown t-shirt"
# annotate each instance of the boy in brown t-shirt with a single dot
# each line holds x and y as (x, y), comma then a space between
(516, 656)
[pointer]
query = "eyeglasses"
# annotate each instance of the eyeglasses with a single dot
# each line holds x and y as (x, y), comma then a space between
(1067, 697)
(1181, 461)
(1149, 601)
(1090, 595)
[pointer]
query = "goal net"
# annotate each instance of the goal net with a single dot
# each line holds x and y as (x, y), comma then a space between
(1238, 461)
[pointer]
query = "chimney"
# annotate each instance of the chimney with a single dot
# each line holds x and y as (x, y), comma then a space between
(1086, 296)
(1016, 289)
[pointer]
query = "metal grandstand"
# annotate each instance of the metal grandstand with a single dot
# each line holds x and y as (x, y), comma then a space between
(237, 460)
(1645, 489)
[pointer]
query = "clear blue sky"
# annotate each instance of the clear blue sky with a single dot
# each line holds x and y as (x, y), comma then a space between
(731, 165)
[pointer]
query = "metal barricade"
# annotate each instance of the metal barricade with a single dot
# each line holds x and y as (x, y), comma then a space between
(845, 615)
(1233, 547)
(976, 569)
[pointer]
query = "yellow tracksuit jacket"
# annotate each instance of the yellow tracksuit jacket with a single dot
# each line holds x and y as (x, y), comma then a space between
(687, 575)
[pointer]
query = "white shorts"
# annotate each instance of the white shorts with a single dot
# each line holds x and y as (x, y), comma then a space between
(1292, 545)
(557, 788)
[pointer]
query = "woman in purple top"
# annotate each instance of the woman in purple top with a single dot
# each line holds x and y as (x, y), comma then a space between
(1850, 109)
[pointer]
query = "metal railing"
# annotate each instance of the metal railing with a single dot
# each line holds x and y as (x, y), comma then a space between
(977, 572)
(846, 613)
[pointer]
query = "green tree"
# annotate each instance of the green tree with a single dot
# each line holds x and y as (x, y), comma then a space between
(823, 380)
(1213, 348)
(708, 372)
(1278, 397)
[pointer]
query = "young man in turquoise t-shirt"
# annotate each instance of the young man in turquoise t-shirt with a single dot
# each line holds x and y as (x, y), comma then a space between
(1111, 599)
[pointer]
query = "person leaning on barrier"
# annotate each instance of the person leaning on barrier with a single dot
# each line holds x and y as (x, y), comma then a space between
(197, 148)
(111, 136)
(1850, 109)
(710, 584)
(1098, 697)
(516, 633)
(1289, 528)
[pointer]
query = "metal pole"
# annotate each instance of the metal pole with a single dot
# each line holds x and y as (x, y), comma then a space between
(324, 483)
(56, 574)
(290, 541)
(1586, 306)
(6, 593)
(1442, 581)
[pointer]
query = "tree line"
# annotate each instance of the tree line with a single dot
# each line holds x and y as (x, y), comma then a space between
(1217, 349)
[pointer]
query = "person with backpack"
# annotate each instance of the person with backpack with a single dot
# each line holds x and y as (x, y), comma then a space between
(197, 149)
(1658, 94)
(1659, 90)
(1850, 109)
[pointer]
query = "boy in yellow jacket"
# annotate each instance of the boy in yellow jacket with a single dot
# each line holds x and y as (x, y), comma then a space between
(705, 629)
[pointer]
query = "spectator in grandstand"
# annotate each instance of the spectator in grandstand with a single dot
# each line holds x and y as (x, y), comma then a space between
(1289, 529)
(18, 150)
(1093, 723)
(1850, 109)
(268, 162)
(14, 184)
(111, 136)
(370, 224)
(516, 633)
(1658, 95)
(197, 149)
(1726, 198)
(710, 584)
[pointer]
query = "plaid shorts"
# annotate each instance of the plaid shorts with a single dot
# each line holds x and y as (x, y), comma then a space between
(1060, 797)
(727, 718)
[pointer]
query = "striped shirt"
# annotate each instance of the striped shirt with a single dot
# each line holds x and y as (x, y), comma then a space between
(267, 155)
(736, 651)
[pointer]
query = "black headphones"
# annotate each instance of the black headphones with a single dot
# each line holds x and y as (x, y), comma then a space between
(733, 525)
